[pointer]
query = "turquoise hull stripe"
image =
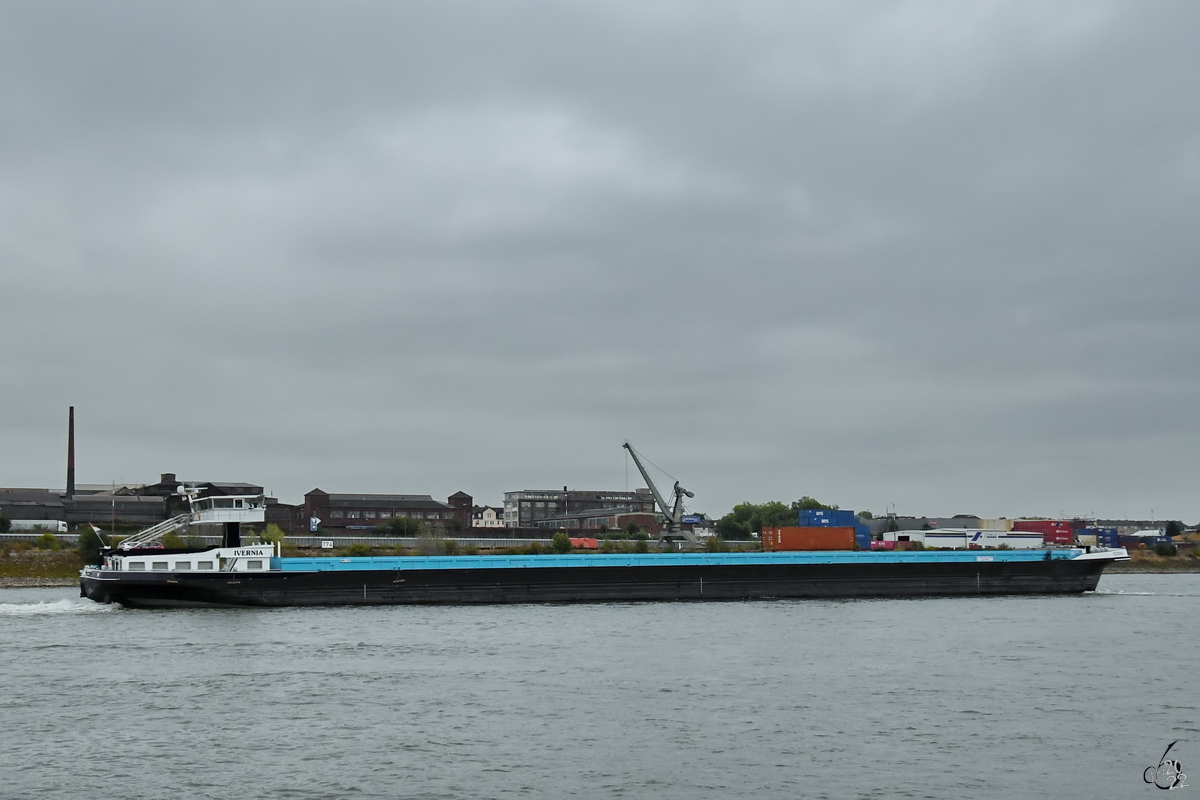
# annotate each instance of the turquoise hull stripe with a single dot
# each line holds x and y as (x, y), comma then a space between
(669, 559)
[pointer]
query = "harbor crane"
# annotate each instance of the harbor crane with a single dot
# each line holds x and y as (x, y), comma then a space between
(674, 512)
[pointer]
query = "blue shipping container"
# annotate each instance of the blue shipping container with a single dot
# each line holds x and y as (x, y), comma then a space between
(1105, 537)
(862, 538)
(824, 518)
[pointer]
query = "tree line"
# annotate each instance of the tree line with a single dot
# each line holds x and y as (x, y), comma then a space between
(749, 518)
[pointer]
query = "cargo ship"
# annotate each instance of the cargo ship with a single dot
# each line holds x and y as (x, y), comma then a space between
(141, 573)
(257, 576)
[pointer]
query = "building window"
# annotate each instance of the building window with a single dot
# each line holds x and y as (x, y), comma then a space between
(352, 514)
(336, 514)
(384, 514)
(369, 514)
(540, 505)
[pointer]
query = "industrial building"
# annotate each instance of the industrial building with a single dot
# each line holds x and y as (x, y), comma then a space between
(549, 508)
(358, 512)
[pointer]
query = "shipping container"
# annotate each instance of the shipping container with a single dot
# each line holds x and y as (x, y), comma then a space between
(1058, 537)
(808, 538)
(1147, 542)
(1043, 526)
(1105, 537)
(824, 517)
(584, 543)
(996, 524)
(862, 537)
(883, 545)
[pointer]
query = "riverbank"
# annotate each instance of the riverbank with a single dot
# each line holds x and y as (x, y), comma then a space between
(1150, 563)
(22, 569)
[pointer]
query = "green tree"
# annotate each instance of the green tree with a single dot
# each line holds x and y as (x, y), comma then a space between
(632, 530)
(641, 546)
(1174, 529)
(48, 541)
(807, 503)
(5, 524)
(561, 543)
(736, 524)
(273, 534)
(89, 545)
(358, 550)
(715, 544)
(451, 546)
(405, 527)
(747, 518)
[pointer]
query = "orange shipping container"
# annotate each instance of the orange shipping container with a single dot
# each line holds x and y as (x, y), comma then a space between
(808, 538)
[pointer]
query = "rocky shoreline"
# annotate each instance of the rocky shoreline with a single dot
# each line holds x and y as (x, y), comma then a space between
(36, 583)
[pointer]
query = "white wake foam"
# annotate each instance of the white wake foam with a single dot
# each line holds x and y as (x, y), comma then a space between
(65, 606)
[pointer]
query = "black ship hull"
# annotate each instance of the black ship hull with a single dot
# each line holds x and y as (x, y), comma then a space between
(590, 584)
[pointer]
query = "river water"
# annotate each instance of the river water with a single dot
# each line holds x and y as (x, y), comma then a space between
(933, 698)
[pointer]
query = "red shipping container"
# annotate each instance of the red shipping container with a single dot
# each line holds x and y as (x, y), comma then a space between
(808, 538)
(883, 545)
(585, 543)
(1058, 537)
(1043, 526)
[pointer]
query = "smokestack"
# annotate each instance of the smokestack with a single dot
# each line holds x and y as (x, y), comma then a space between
(71, 455)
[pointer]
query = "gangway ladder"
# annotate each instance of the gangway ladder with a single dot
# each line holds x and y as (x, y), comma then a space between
(151, 534)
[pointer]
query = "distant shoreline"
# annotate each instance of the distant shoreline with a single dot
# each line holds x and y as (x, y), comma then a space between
(36, 583)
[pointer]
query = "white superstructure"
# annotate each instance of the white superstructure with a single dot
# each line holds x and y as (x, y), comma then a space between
(220, 510)
(255, 558)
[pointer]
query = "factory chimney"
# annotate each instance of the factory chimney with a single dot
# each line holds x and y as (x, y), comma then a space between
(71, 455)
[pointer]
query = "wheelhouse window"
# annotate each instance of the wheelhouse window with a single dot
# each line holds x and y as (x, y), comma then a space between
(204, 565)
(158, 565)
(182, 565)
(254, 564)
(135, 565)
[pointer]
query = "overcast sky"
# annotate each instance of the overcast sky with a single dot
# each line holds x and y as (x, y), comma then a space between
(940, 257)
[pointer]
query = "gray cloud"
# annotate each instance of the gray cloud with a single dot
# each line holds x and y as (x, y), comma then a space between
(928, 255)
